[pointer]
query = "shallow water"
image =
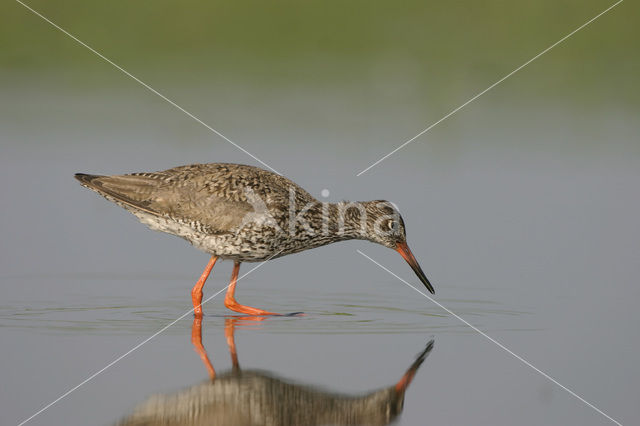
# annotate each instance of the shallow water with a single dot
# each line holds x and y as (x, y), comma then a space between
(538, 251)
(362, 328)
(346, 344)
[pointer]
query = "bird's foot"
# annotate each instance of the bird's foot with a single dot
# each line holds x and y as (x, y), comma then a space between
(243, 309)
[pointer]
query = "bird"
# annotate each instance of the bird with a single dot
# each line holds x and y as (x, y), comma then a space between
(262, 398)
(247, 214)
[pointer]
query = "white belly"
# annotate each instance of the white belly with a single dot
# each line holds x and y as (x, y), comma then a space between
(226, 246)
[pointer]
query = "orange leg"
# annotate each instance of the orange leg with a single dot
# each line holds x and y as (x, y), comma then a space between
(196, 293)
(196, 340)
(230, 300)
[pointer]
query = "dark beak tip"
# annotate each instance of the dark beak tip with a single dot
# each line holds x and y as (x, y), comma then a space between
(403, 249)
(430, 287)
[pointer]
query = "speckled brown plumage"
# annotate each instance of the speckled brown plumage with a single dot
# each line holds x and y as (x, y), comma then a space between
(247, 214)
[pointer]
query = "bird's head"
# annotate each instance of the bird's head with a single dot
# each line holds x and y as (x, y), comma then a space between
(384, 225)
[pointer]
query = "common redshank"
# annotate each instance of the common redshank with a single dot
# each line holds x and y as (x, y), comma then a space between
(246, 214)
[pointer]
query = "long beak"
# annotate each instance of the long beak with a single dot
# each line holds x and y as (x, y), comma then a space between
(404, 251)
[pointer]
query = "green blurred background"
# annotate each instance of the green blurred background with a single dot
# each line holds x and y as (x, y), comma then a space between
(341, 74)
(322, 89)
(436, 52)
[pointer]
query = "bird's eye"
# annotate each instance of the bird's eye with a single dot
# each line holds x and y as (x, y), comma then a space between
(391, 225)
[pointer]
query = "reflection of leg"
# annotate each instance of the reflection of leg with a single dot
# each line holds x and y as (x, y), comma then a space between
(230, 301)
(196, 293)
(406, 379)
(229, 331)
(196, 340)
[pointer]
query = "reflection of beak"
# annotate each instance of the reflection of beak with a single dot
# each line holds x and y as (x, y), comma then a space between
(404, 251)
(405, 381)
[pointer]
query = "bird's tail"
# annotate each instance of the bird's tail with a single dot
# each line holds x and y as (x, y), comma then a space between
(85, 179)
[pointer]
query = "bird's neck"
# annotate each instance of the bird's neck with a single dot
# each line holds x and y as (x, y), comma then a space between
(345, 220)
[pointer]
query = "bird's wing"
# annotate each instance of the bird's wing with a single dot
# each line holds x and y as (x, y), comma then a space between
(160, 194)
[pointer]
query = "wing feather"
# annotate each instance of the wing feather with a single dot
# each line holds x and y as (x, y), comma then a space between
(186, 201)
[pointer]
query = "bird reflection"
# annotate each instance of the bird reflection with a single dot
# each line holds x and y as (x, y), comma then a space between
(249, 397)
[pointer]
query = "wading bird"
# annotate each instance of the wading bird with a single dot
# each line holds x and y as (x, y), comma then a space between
(246, 214)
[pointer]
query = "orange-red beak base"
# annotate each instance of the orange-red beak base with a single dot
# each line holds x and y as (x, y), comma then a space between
(404, 251)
